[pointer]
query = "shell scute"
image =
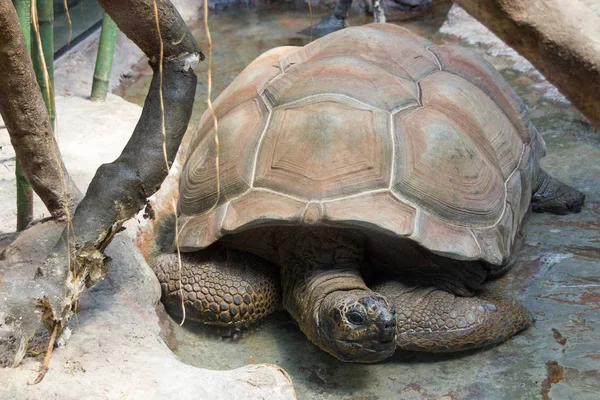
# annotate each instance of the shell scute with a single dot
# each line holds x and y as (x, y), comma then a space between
(528, 172)
(469, 107)
(470, 66)
(239, 132)
(379, 211)
(198, 231)
(441, 168)
(346, 76)
(257, 208)
(372, 43)
(441, 238)
(248, 84)
(327, 149)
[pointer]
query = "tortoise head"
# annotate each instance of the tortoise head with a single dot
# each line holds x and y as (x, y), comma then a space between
(357, 326)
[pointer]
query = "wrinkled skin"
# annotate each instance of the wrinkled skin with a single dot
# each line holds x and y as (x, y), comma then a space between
(324, 291)
(358, 326)
(321, 287)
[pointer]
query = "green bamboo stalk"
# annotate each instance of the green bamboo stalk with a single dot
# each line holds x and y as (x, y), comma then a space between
(24, 191)
(23, 8)
(104, 60)
(45, 11)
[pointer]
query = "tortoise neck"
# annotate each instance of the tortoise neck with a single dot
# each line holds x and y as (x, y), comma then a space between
(305, 286)
(315, 264)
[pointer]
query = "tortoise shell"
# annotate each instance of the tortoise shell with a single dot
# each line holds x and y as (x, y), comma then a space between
(371, 127)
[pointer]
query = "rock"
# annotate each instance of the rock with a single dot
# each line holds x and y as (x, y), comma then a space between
(116, 349)
(562, 42)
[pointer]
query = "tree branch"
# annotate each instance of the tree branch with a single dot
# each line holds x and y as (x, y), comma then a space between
(119, 190)
(136, 19)
(561, 40)
(24, 113)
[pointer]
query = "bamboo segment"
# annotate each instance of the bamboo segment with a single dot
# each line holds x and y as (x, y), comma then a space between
(104, 59)
(24, 191)
(23, 8)
(45, 14)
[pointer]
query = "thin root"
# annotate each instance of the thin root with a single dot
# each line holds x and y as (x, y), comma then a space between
(46, 362)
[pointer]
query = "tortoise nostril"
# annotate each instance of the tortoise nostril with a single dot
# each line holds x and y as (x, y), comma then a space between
(389, 324)
(388, 332)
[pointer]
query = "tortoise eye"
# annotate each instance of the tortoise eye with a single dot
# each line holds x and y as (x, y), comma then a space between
(355, 318)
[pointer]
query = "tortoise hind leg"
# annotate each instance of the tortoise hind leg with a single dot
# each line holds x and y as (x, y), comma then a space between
(432, 320)
(220, 286)
(551, 195)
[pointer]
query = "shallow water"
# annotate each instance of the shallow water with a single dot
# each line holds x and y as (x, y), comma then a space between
(242, 35)
(556, 276)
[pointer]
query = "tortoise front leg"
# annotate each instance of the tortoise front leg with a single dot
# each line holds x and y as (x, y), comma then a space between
(432, 320)
(220, 286)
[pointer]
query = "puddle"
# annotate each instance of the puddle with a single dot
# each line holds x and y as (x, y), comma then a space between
(513, 370)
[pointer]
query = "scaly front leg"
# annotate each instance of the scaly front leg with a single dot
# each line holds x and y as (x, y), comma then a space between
(432, 320)
(220, 286)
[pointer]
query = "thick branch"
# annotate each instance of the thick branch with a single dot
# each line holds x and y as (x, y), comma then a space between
(119, 190)
(561, 40)
(24, 113)
(136, 19)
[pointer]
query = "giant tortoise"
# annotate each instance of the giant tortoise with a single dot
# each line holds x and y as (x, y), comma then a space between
(368, 182)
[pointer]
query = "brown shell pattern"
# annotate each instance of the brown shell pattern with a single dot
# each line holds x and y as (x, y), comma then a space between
(373, 127)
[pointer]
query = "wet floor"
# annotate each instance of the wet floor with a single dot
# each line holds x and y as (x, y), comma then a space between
(557, 276)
